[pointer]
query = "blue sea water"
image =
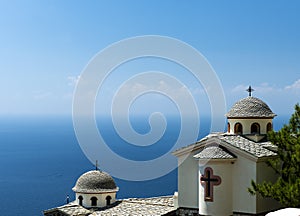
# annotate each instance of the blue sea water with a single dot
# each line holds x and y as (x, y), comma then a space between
(40, 161)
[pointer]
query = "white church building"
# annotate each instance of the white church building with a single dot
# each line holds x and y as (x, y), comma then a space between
(215, 173)
(213, 176)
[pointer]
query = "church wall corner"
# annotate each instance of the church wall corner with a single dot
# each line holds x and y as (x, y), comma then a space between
(244, 170)
(188, 183)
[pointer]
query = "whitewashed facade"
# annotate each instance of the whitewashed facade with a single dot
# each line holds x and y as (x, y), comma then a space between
(215, 177)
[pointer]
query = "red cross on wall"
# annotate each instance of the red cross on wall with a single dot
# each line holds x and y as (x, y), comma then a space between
(209, 181)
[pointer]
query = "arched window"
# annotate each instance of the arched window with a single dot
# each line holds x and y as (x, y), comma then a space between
(80, 198)
(238, 128)
(269, 127)
(255, 128)
(108, 199)
(228, 127)
(94, 201)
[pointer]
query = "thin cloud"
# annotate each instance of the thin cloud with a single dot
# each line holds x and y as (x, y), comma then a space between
(239, 88)
(178, 92)
(42, 95)
(295, 85)
(73, 80)
(263, 88)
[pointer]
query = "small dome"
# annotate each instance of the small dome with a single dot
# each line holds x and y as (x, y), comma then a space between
(250, 107)
(95, 182)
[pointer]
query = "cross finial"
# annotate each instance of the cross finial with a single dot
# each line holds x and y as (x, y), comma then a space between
(250, 90)
(68, 199)
(96, 165)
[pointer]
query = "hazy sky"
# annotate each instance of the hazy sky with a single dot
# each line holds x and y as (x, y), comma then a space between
(45, 45)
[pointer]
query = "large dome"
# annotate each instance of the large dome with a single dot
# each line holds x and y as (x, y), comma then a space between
(250, 107)
(95, 182)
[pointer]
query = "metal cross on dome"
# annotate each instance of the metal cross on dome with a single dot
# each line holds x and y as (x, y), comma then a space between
(96, 165)
(209, 181)
(250, 90)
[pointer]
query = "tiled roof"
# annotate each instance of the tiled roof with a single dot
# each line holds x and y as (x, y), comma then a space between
(250, 107)
(132, 206)
(70, 209)
(214, 152)
(144, 206)
(256, 149)
(198, 143)
(95, 181)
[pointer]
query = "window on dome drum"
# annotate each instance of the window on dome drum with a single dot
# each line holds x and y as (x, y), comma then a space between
(94, 201)
(80, 198)
(238, 128)
(255, 128)
(228, 127)
(108, 199)
(269, 127)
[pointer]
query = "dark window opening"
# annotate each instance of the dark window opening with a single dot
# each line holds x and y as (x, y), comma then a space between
(269, 127)
(238, 128)
(108, 199)
(255, 128)
(80, 198)
(94, 201)
(228, 127)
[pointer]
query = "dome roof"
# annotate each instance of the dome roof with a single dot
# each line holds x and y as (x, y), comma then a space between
(95, 181)
(250, 107)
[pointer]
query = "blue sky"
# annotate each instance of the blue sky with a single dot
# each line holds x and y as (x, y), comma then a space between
(45, 45)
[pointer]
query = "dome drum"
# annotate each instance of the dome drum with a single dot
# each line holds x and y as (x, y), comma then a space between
(247, 125)
(95, 200)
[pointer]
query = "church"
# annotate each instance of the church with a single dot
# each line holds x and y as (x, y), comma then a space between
(214, 174)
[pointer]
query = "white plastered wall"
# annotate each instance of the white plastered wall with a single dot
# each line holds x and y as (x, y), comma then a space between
(188, 182)
(244, 170)
(222, 203)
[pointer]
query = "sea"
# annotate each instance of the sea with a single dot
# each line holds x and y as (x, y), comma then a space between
(40, 161)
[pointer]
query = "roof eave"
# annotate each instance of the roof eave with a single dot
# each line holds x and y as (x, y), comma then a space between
(187, 149)
(251, 117)
(194, 147)
(208, 160)
(265, 158)
(96, 192)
